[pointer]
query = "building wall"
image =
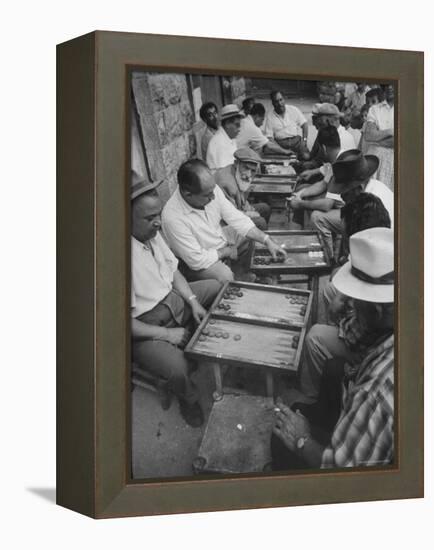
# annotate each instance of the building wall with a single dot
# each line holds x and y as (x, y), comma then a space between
(164, 131)
(165, 120)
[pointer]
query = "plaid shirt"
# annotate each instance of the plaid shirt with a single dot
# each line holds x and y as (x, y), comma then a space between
(363, 435)
(356, 337)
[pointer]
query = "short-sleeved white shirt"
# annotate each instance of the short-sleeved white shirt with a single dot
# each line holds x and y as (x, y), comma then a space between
(152, 268)
(277, 126)
(250, 135)
(382, 115)
(221, 149)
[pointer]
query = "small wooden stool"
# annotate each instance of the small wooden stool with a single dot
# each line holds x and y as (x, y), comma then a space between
(237, 436)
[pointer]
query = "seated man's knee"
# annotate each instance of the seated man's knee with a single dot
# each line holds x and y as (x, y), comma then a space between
(317, 218)
(260, 223)
(222, 273)
(314, 336)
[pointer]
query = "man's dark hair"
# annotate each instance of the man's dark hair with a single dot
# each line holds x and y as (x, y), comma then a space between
(329, 136)
(188, 175)
(274, 93)
(257, 110)
(205, 107)
(375, 92)
(247, 101)
(364, 212)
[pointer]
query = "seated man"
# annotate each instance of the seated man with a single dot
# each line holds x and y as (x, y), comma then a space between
(364, 432)
(314, 197)
(208, 113)
(222, 145)
(352, 175)
(164, 307)
(326, 115)
(343, 336)
(379, 135)
(235, 181)
(251, 134)
(192, 225)
(247, 105)
(283, 124)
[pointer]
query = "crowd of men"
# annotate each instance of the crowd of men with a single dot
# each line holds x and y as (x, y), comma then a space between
(184, 250)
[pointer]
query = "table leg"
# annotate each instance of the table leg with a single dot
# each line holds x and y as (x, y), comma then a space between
(270, 383)
(218, 394)
(314, 287)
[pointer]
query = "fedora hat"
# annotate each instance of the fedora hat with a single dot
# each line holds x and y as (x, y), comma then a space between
(369, 273)
(139, 186)
(245, 154)
(230, 111)
(351, 169)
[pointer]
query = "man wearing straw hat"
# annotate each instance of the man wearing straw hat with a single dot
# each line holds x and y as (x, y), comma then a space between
(364, 432)
(164, 307)
(222, 145)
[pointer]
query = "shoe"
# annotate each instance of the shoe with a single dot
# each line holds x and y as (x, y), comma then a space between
(164, 395)
(192, 414)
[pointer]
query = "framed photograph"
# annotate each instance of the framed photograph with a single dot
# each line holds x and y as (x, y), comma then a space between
(240, 239)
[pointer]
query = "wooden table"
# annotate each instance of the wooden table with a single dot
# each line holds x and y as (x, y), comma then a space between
(307, 256)
(273, 184)
(253, 326)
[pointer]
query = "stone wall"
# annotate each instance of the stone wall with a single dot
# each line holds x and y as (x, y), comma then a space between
(164, 133)
(166, 119)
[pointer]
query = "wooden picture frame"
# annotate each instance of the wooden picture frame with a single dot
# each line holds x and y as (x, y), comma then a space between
(93, 268)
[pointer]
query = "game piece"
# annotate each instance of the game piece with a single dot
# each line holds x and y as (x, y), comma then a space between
(237, 337)
(202, 338)
(212, 321)
(226, 335)
(205, 331)
(218, 334)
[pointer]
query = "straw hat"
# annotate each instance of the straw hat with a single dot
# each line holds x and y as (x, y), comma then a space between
(369, 274)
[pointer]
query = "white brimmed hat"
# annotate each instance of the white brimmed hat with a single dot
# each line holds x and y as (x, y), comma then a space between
(369, 274)
(230, 111)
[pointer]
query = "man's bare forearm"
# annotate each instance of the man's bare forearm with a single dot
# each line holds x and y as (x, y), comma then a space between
(143, 331)
(273, 147)
(256, 235)
(325, 205)
(181, 286)
(314, 189)
(372, 133)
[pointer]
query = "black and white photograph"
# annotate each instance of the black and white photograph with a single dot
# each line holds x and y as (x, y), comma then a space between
(262, 275)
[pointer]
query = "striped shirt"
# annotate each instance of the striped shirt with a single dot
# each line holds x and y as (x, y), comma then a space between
(363, 435)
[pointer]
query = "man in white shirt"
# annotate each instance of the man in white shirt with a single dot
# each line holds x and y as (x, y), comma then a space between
(164, 307)
(192, 219)
(285, 123)
(222, 146)
(379, 136)
(252, 136)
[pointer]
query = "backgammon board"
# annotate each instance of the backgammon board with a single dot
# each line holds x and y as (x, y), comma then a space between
(254, 325)
(305, 250)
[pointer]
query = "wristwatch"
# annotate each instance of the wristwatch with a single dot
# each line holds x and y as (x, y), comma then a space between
(301, 441)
